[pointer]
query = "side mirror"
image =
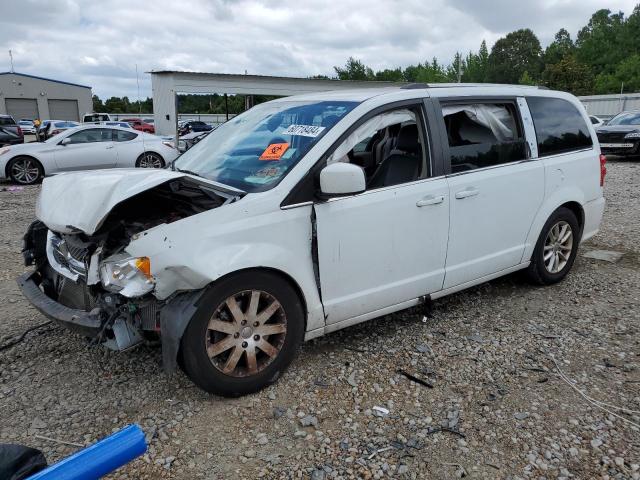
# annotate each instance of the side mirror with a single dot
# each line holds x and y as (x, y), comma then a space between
(342, 179)
(65, 141)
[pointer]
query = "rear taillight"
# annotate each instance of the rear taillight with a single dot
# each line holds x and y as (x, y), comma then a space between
(55, 132)
(20, 132)
(603, 169)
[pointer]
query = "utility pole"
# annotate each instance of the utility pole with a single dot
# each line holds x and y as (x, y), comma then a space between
(11, 60)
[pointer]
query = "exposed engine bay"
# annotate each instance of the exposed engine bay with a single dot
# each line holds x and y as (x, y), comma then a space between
(94, 274)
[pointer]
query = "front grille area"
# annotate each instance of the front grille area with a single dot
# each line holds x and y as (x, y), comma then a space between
(75, 294)
(612, 137)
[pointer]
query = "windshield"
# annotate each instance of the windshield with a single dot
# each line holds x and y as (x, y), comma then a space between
(256, 149)
(626, 119)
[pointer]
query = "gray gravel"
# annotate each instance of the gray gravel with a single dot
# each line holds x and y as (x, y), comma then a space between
(497, 409)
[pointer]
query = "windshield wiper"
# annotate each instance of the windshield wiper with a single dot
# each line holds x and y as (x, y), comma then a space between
(190, 173)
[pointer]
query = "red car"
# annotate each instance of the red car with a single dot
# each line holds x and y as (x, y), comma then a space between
(138, 124)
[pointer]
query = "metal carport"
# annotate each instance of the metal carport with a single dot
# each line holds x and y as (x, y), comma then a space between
(166, 84)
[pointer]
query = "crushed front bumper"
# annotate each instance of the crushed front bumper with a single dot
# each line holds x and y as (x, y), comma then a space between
(86, 323)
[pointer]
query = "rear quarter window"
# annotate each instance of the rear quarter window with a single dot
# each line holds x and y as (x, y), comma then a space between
(560, 127)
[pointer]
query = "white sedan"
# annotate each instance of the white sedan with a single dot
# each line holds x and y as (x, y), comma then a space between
(86, 147)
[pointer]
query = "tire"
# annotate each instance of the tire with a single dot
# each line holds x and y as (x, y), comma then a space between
(25, 170)
(553, 241)
(215, 331)
(150, 160)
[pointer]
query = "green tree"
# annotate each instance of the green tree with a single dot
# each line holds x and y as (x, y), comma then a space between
(627, 74)
(354, 70)
(389, 75)
(569, 75)
(98, 106)
(431, 73)
(514, 54)
(600, 43)
(525, 79)
(475, 65)
(561, 46)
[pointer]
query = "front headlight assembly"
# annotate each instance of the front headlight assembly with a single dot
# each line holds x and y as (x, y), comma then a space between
(128, 276)
(632, 135)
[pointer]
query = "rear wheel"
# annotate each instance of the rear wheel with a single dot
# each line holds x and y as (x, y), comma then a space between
(25, 170)
(556, 248)
(150, 160)
(244, 334)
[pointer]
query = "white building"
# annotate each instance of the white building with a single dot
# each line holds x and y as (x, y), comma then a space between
(31, 97)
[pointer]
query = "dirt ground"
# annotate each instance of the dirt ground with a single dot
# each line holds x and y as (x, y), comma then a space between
(498, 406)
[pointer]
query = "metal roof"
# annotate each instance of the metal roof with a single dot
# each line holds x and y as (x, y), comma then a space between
(44, 78)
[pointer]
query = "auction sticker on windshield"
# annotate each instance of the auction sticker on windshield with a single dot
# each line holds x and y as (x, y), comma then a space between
(304, 130)
(274, 151)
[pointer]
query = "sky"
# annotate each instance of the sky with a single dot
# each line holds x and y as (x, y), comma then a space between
(100, 43)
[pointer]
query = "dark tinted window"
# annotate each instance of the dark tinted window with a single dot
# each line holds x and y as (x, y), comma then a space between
(91, 135)
(7, 121)
(559, 126)
(124, 136)
(483, 135)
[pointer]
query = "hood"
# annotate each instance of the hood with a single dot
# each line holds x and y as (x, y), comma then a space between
(617, 128)
(81, 200)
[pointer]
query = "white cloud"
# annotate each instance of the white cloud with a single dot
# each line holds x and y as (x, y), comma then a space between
(99, 43)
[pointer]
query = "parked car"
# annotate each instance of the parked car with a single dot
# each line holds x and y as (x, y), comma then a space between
(596, 121)
(621, 135)
(138, 124)
(96, 118)
(27, 127)
(308, 214)
(194, 126)
(50, 128)
(10, 132)
(85, 147)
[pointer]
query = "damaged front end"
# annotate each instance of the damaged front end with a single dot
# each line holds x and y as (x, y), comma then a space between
(87, 281)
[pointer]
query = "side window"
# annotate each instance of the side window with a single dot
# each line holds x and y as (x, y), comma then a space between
(559, 126)
(389, 147)
(121, 136)
(483, 135)
(91, 135)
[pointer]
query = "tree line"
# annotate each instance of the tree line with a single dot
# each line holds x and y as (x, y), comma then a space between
(603, 58)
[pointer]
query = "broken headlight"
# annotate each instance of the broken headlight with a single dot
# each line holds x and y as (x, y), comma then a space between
(128, 276)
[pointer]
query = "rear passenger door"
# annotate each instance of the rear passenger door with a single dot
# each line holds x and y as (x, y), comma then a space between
(494, 185)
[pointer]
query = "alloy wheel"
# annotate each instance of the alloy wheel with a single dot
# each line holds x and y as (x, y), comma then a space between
(149, 160)
(557, 247)
(25, 171)
(246, 333)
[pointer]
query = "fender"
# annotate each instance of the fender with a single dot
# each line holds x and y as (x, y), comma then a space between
(564, 194)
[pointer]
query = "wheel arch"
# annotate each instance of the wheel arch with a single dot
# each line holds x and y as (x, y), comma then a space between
(175, 316)
(6, 167)
(571, 198)
(146, 151)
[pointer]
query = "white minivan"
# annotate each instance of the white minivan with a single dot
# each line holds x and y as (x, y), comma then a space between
(308, 214)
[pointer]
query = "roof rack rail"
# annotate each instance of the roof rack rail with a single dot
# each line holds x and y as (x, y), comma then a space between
(414, 86)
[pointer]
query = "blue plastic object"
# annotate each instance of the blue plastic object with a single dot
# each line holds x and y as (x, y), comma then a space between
(99, 459)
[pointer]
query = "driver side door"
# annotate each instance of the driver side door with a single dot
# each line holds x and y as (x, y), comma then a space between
(92, 148)
(385, 247)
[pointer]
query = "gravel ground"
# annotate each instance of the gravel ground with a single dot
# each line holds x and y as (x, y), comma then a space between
(498, 407)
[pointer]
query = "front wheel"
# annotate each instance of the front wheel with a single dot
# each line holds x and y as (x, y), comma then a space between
(556, 248)
(25, 170)
(244, 334)
(150, 160)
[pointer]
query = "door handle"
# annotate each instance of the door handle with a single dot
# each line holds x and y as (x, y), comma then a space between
(468, 192)
(430, 200)
(109, 147)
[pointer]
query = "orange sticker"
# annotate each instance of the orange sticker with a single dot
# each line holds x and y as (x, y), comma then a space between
(274, 151)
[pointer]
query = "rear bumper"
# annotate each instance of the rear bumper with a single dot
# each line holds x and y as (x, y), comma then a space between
(86, 323)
